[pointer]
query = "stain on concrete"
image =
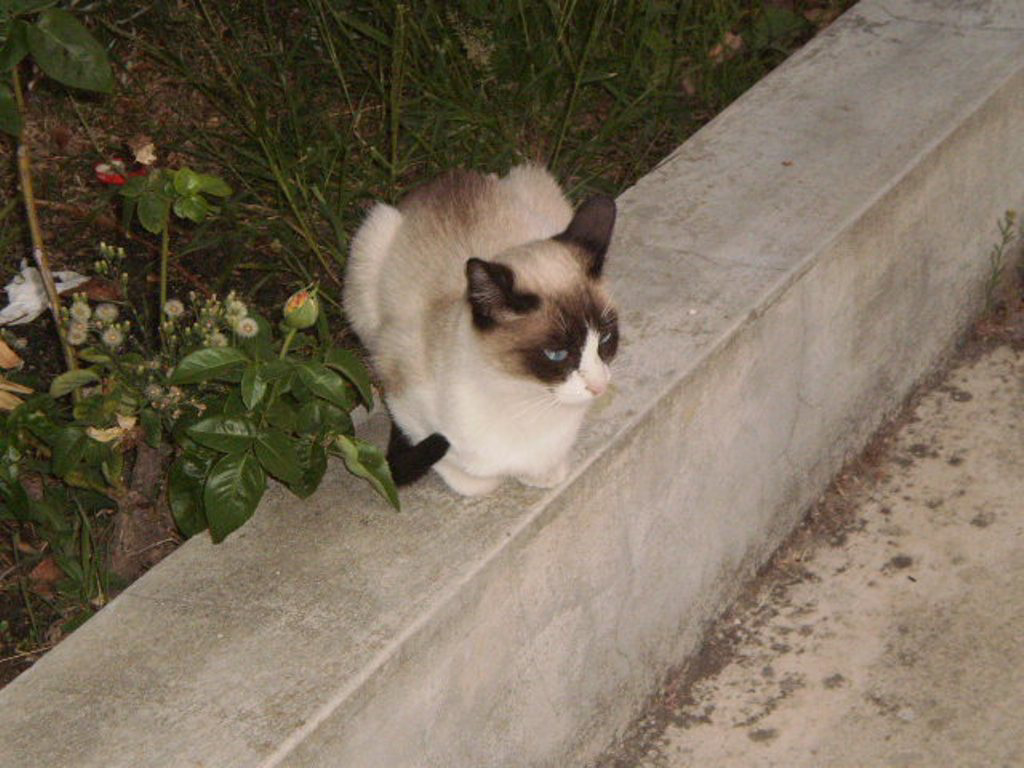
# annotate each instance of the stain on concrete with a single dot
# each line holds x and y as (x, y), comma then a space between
(899, 562)
(834, 681)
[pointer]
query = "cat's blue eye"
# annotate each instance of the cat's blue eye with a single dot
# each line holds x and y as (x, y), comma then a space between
(606, 338)
(556, 355)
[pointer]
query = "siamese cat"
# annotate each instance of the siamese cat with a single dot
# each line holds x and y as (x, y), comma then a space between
(481, 302)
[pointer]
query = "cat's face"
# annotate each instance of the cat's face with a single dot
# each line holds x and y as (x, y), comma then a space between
(570, 345)
(542, 313)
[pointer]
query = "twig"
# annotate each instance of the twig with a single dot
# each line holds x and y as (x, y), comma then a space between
(38, 251)
(154, 545)
(40, 649)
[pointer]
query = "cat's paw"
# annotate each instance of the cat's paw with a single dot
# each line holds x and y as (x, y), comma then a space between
(465, 484)
(555, 476)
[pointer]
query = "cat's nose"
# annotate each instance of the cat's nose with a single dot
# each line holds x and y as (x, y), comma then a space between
(597, 388)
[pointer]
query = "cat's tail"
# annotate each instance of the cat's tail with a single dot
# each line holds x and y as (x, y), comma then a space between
(410, 462)
(536, 190)
(370, 246)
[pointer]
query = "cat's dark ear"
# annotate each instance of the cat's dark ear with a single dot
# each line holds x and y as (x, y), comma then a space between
(492, 294)
(591, 230)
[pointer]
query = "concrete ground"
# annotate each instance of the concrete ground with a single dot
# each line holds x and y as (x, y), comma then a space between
(895, 639)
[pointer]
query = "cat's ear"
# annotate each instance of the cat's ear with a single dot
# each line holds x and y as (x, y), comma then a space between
(591, 230)
(492, 293)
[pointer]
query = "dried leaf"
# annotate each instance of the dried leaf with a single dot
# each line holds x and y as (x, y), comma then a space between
(8, 357)
(143, 149)
(9, 402)
(45, 576)
(13, 386)
(98, 289)
(729, 46)
(821, 17)
(24, 547)
(105, 435)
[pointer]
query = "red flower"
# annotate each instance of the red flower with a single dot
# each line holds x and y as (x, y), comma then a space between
(116, 172)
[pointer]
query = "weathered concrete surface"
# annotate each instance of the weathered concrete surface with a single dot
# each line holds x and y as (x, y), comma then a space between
(902, 646)
(783, 278)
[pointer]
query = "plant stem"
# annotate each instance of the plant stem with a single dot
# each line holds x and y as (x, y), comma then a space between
(165, 257)
(38, 252)
(287, 342)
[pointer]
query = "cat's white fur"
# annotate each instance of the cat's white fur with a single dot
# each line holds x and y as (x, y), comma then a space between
(406, 298)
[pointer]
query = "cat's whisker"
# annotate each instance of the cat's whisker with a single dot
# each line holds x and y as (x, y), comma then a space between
(533, 406)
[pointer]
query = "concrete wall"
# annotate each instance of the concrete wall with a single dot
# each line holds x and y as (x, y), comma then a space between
(784, 279)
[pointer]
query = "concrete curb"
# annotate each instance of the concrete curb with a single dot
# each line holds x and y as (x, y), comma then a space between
(784, 279)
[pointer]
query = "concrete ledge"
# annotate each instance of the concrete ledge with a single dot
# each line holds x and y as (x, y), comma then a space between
(784, 279)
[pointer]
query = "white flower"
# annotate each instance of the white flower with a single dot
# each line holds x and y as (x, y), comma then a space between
(235, 311)
(113, 337)
(106, 313)
(80, 311)
(154, 392)
(174, 308)
(247, 327)
(77, 334)
(217, 339)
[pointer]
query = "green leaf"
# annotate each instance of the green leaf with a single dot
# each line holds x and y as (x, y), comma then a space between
(154, 209)
(276, 369)
(227, 434)
(253, 386)
(185, 484)
(10, 118)
(186, 182)
(233, 405)
(151, 427)
(69, 449)
(351, 367)
(281, 415)
(325, 383)
(213, 185)
(277, 455)
(134, 187)
(366, 460)
(97, 410)
(67, 52)
(113, 467)
(313, 458)
(69, 381)
(30, 6)
(317, 417)
(233, 488)
(211, 363)
(192, 207)
(39, 424)
(93, 355)
(777, 28)
(16, 47)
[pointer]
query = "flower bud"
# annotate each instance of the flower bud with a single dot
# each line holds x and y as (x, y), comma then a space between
(301, 310)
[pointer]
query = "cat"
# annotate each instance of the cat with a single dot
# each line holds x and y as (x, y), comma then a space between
(481, 302)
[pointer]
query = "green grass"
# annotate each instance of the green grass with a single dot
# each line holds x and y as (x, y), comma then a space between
(327, 105)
